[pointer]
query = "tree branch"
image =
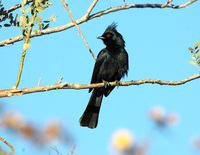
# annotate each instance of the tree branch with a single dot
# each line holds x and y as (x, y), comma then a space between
(3, 140)
(74, 22)
(90, 8)
(86, 17)
(17, 6)
(12, 92)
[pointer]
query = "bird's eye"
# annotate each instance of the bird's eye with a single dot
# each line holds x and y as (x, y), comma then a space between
(108, 35)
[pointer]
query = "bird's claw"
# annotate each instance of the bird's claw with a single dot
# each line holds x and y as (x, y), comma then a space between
(106, 83)
(118, 83)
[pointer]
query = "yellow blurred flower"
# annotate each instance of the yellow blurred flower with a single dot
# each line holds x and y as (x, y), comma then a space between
(122, 139)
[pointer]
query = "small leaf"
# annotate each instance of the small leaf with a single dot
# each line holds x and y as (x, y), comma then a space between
(36, 31)
(22, 11)
(0, 26)
(29, 9)
(193, 57)
(7, 25)
(46, 26)
(196, 45)
(38, 19)
(40, 9)
(26, 46)
(51, 16)
(46, 21)
(49, 3)
(53, 19)
(198, 61)
(22, 4)
(190, 49)
(191, 62)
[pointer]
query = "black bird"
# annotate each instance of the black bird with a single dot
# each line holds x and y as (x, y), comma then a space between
(111, 65)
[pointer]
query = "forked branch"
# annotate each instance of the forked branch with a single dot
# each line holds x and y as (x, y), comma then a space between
(87, 17)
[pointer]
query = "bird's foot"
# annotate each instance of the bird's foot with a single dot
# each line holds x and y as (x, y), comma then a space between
(106, 83)
(118, 83)
(125, 3)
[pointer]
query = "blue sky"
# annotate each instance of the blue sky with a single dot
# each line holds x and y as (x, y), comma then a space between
(157, 42)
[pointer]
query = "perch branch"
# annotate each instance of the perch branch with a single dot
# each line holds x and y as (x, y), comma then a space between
(89, 17)
(3, 140)
(74, 22)
(11, 92)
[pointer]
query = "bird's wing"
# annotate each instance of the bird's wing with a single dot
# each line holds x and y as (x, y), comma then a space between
(99, 61)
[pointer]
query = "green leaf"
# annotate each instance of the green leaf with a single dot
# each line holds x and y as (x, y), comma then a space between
(36, 31)
(49, 3)
(44, 6)
(191, 62)
(40, 27)
(7, 25)
(22, 4)
(46, 21)
(190, 49)
(193, 57)
(29, 9)
(38, 19)
(198, 61)
(51, 17)
(196, 45)
(21, 10)
(40, 9)
(46, 26)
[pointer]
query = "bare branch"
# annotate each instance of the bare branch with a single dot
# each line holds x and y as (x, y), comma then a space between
(17, 6)
(74, 22)
(3, 140)
(90, 8)
(11, 92)
(169, 1)
(60, 80)
(99, 14)
(39, 81)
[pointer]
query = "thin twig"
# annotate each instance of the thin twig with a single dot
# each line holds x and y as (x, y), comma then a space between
(55, 149)
(12, 92)
(39, 81)
(70, 14)
(90, 8)
(17, 6)
(24, 51)
(3, 140)
(60, 80)
(85, 18)
(169, 1)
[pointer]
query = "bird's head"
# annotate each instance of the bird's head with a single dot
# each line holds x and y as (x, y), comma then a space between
(112, 38)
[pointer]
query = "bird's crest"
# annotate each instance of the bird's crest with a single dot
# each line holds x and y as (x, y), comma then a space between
(112, 27)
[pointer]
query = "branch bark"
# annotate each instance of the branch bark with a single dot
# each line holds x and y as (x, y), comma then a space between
(70, 14)
(12, 92)
(3, 140)
(17, 6)
(87, 17)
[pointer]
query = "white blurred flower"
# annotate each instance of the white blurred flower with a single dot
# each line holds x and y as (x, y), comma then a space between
(122, 140)
(157, 113)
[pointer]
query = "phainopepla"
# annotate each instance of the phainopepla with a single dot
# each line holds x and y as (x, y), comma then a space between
(111, 65)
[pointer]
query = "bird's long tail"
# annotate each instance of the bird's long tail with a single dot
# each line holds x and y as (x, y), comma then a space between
(91, 113)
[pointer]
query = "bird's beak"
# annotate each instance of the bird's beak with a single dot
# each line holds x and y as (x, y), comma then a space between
(100, 38)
